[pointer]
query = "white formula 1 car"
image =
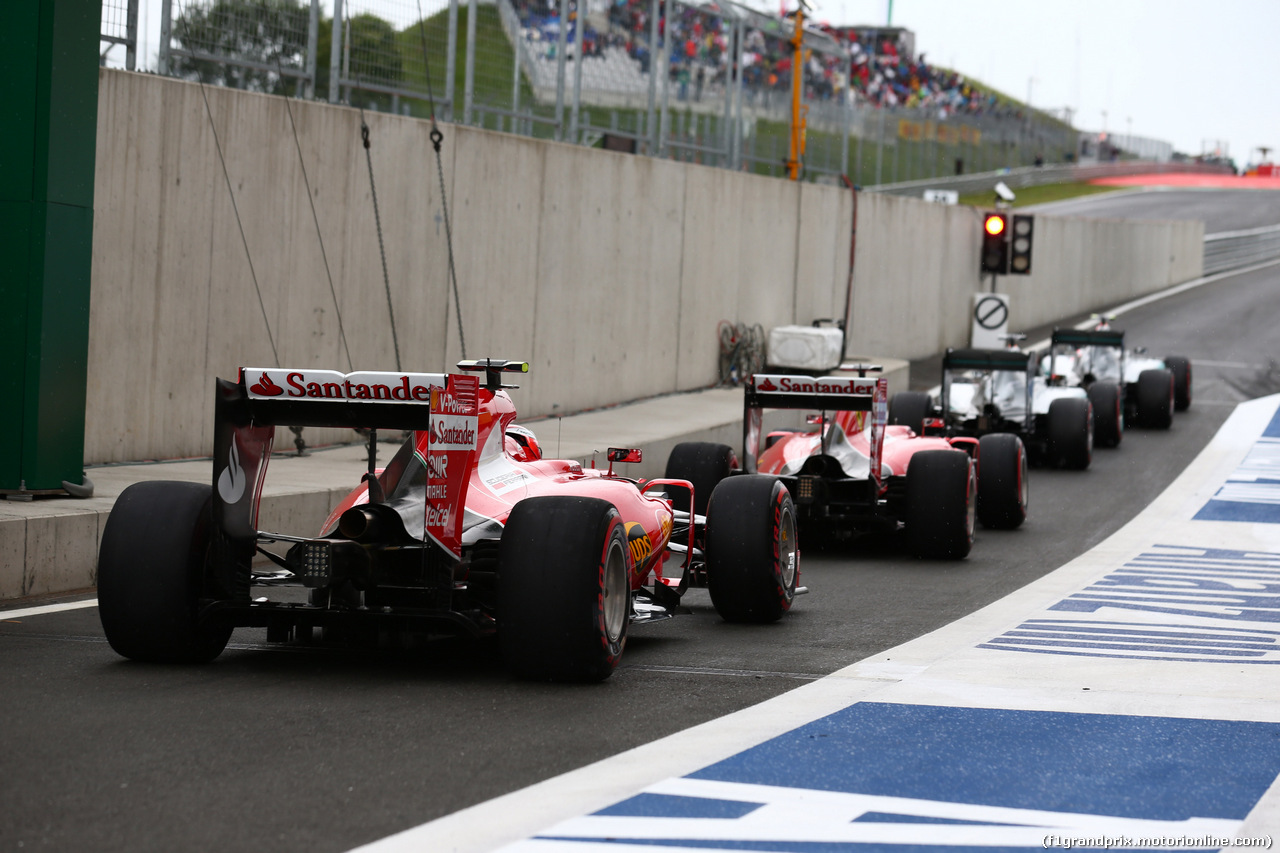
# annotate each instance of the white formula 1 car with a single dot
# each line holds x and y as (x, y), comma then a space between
(986, 391)
(1127, 387)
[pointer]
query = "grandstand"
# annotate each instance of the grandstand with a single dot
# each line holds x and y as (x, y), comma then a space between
(705, 81)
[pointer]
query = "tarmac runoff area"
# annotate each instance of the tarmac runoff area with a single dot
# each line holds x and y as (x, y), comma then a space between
(49, 546)
(1126, 700)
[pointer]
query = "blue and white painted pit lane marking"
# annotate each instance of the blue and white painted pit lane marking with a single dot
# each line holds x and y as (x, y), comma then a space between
(1226, 603)
(897, 777)
(1252, 492)
(1131, 708)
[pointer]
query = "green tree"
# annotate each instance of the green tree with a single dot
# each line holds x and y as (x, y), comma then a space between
(259, 33)
(371, 55)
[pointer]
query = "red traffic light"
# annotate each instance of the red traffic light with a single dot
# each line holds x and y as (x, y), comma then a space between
(995, 245)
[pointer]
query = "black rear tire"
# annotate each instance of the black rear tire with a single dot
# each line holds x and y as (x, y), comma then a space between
(151, 573)
(1002, 481)
(1155, 398)
(1180, 367)
(910, 408)
(1108, 414)
(703, 463)
(941, 503)
(753, 556)
(564, 595)
(1071, 433)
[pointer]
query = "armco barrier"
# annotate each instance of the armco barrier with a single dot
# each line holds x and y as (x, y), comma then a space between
(1230, 249)
(608, 272)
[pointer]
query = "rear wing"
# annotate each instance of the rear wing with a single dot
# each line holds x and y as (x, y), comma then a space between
(326, 398)
(823, 393)
(988, 359)
(442, 409)
(1088, 338)
(827, 393)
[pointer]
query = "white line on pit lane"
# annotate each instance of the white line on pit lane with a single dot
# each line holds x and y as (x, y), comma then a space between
(1156, 297)
(1234, 365)
(7, 615)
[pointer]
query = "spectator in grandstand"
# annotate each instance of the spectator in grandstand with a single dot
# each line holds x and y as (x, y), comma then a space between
(876, 69)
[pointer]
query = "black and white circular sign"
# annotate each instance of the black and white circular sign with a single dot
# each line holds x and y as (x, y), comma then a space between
(991, 312)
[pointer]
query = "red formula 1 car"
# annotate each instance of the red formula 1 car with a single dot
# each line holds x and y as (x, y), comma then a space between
(853, 473)
(467, 530)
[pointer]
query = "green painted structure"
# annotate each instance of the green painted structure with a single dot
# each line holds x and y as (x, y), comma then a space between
(49, 59)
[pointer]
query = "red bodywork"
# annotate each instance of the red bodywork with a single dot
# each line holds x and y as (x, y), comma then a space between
(500, 472)
(850, 472)
(791, 449)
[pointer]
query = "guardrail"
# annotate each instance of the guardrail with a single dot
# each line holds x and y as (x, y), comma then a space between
(1233, 249)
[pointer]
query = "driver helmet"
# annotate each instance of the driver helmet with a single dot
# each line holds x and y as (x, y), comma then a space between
(526, 447)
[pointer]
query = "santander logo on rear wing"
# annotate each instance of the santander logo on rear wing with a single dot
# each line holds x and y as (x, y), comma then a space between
(328, 398)
(366, 386)
(844, 392)
(822, 393)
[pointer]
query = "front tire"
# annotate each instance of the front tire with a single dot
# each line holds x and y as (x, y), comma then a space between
(1156, 398)
(564, 595)
(703, 463)
(941, 504)
(1071, 433)
(151, 574)
(1002, 481)
(1108, 413)
(1180, 367)
(753, 557)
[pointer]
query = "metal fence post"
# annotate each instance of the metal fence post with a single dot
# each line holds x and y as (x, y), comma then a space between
(727, 122)
(346, 57)
(579, 24)
(846, 108)
(335, 52)
(515, 80)
(739, 125)
(651, 117)
(469, 79)
(897, 153)
(880, 144)
(664, 122)
(560, 42)
(313, 39)
(862, 129)
(166, 23)
(451, 60)
(131, 33)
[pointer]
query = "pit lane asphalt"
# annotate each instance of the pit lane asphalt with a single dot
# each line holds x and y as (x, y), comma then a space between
(297, 748)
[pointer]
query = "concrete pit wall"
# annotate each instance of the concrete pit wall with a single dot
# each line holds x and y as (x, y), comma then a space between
(608, 272)
(917, 269)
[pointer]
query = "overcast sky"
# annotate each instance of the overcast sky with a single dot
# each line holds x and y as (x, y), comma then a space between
(1189, 72)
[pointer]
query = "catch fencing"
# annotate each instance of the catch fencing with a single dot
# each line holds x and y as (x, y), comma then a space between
(698, 82)
(120, 27)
